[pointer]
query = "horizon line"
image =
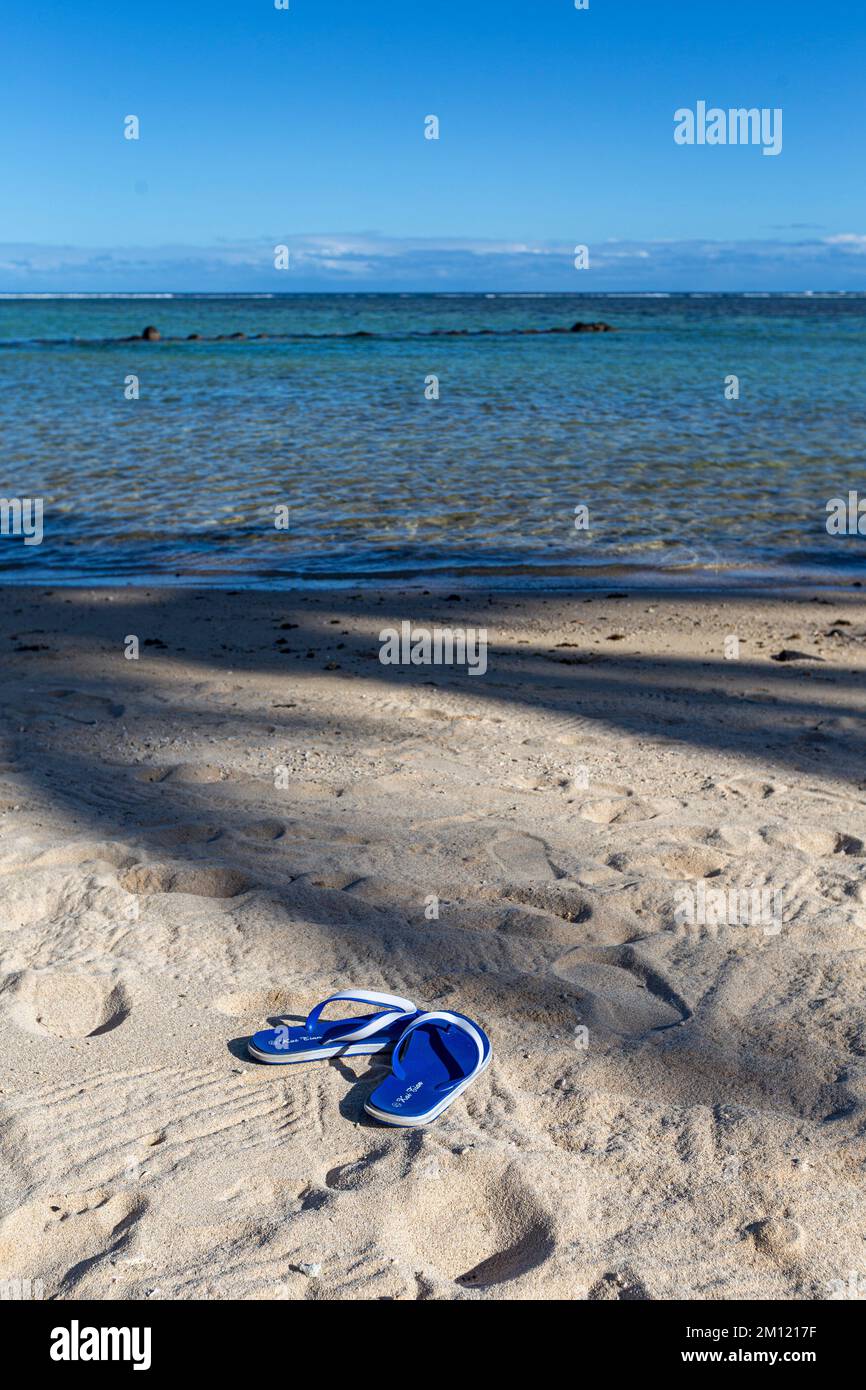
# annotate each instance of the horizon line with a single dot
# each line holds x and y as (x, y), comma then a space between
(430, 294)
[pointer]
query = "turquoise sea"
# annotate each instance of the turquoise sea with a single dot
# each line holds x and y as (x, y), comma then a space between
(327, 416)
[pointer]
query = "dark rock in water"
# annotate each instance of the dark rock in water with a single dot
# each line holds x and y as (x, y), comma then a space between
(193, 337)
(151, 334)
(592, 328)
(237, 335)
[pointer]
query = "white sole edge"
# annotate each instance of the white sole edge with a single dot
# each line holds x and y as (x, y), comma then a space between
(319, 1054)
(389, 1118)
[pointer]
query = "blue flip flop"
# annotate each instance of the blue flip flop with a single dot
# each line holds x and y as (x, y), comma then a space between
(345, 1037)
(437, 1057)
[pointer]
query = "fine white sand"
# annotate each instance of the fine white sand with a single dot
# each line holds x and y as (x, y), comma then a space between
(673, 1110)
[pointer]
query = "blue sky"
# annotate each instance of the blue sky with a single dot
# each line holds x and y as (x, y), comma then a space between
(306, 127)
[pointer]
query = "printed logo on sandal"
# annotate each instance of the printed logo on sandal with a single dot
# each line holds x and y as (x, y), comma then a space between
(408, 1094)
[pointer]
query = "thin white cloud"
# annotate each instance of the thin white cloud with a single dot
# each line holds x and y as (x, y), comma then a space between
(377, 262)
(853, 240)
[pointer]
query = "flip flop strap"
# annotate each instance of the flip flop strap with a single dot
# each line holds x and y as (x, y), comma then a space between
(395, 1005)
(452, 1021)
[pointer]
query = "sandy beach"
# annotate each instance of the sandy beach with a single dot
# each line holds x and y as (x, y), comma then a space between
(256, 812)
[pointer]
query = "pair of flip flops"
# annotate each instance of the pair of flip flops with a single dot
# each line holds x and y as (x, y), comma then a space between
(435, 1055)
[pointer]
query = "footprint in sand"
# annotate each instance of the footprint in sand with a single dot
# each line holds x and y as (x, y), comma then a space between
(255, 1004)
(624, 810)
(195, 774)
(78, 706)
(618, 993)
(692, 862)
(202, 880)
(61, 1004)
(561, 912)
(497, 1228)
(675, 861)
(811, 840)
(732, 839)
(195, 834)
(58, 1239)
(564, 900)
(264, 830)
(523, 856)
(777, 1237)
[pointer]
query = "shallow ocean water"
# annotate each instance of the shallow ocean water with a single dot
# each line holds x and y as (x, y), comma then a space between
(479, 486)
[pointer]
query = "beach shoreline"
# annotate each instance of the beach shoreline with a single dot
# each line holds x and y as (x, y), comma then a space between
(254, 811)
